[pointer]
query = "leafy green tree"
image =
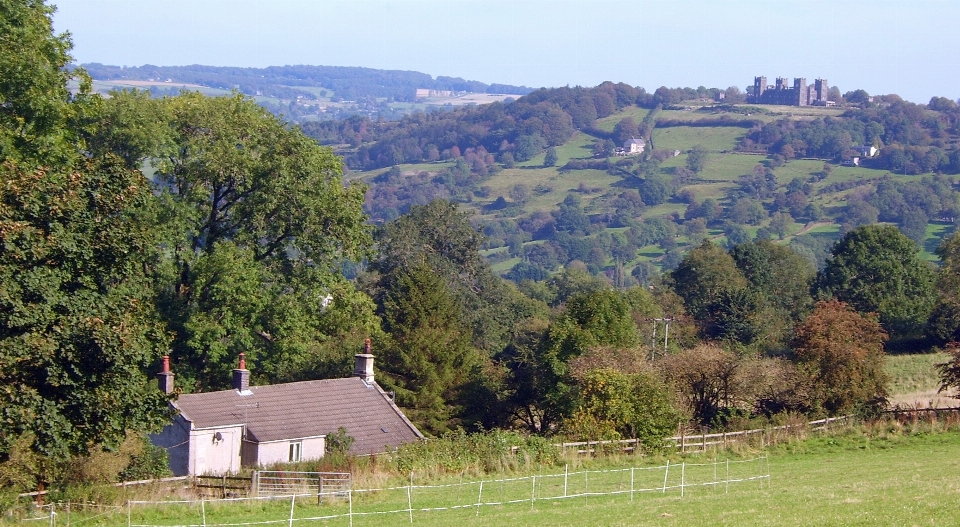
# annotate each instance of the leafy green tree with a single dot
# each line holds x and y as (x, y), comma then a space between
(544, 386)
(129, 124)
(736, 315)
(780, 224)
(35, 106)
(944, 323)
(441, 237)
(703, 275)
(624, 130)
(77, 329)
(735, 234)
(528, 146)
(614, 404)
(534, 393)
(782, 276)
(875, 268)
(656, 189)
(697, 158)
(550, 159)
(843, 353)
(256, 222)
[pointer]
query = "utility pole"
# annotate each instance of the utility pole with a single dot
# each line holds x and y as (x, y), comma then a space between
(666, 335)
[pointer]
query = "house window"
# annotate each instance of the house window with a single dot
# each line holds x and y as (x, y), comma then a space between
(295, 451)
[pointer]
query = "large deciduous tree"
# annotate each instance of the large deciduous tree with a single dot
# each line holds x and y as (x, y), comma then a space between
(544, 390)
(256, 222)
(718, 296)
(779, 281)
(944, 323)
(875, 268)
(76, 323)
(35, 104)
(843, 353)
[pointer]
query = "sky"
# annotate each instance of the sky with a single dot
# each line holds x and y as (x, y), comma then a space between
(907, 47)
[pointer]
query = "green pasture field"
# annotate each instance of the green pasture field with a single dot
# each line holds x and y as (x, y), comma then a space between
(607, 123)
(506, 265)
(914, 373)
(779, 112)
(105, 87)
(727, 167)
(714, 139)
(891, 475)
(561, 183)
(432, 167)
(716, 190)
(936, 233)
(580, 146)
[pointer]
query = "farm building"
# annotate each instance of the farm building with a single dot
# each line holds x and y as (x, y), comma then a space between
(634, 146)
(219, 432)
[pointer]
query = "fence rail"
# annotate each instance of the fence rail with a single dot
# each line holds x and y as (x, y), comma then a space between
(226, 485)
(689, 440)
(282, 483)
(411, 501)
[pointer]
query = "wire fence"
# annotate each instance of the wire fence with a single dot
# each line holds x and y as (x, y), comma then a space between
(411, 501)
(65, 513)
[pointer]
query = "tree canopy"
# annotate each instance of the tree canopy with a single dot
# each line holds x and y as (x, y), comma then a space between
(843, 352)
(875, 268)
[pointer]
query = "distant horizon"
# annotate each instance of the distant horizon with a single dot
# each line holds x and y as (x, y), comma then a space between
(904, 47)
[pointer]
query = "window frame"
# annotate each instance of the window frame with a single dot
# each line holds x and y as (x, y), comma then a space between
(295, 454)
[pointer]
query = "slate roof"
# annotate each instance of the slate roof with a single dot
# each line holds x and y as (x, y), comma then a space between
(306, 409)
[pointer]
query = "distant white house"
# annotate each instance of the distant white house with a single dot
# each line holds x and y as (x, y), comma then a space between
(634, 146)
(867, 151)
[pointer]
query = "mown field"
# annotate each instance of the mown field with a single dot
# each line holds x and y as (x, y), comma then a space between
(880, 475)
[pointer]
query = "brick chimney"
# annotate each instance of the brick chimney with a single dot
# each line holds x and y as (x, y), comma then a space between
(363, 365)
(165, 377)
(241, 375)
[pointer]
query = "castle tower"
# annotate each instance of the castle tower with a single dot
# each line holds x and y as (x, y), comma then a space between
(781, 83)
(800, 86)
(759, 85)
(823, 91)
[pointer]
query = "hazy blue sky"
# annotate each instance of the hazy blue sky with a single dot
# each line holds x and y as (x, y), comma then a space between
(909, 47)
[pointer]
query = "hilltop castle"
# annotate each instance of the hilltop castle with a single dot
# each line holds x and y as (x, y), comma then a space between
(799, 95)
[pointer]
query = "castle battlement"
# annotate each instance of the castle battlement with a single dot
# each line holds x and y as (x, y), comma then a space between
(800, 94)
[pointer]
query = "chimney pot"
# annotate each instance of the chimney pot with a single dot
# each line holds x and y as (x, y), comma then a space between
(363, 365)
(165, 377)
(241, 376)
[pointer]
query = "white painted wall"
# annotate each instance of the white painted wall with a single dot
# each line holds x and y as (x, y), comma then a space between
(210, 456)
(279, 451)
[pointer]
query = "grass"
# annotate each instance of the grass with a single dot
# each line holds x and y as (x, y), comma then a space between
(608, 123)
(881, 474)
(914, 373)
(936, 232)
(714, 139)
